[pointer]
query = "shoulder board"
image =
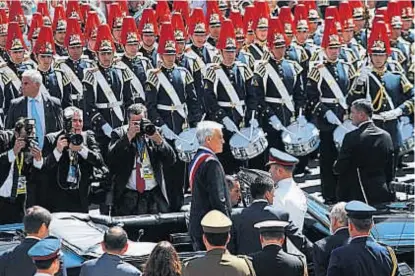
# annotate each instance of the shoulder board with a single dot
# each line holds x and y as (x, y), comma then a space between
(398, 67)
(247, 71)
(89, 75)
(315, 54)
(152, 77)
(411, 68)
(211, 72)
(127, 75)
(304, 56)
(189, 77)
(266, 56)
(351, 71)
(297, 67)
(216, 59)
(351, 54)
(5, 78)
(401, 56)
(119, 66)
(314, 73)
(65, 79)
(260, 68)
(406, 84)
(196, 64)
(60, 60)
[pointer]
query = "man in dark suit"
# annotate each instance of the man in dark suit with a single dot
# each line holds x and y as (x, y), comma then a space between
(340, 234)
(362, 255)
(245, 236)
(114, 245)
(69, 158)
(207, 180)
(46, 110)
(137, 159)
(365, 162)
(17, 262)
(272, 258)
(19, 170)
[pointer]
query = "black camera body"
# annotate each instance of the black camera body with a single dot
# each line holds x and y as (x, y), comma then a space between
(73, 138)
(147, 127)
(30, 137)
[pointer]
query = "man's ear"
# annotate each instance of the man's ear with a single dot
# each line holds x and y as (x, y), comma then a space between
(124, 249)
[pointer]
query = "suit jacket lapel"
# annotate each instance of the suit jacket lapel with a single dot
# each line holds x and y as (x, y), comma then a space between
(49, 118)
(24, 108)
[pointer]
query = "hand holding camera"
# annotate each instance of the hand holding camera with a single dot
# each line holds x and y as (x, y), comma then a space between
(36, 153)
(133, 129)
(142, 127)
(62, 143)
(19, 144)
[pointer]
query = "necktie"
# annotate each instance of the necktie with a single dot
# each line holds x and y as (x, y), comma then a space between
(38, 123)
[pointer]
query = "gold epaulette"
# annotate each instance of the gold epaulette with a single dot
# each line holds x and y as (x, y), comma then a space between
(196, 64)
(411, 68)
(314, 73)
(216, 59)
(297, 67)
(266, 56)
(152, 77)
(211, 72)
(350, 69)
(89, 75)
(398, 67)
(65, 79)
(401, 56)
(247, 71)
(260, 69)
(5, 78)
(58, 62)
(146, 60)
(189, 78)
(315, 54)
(127, 75)
(350, 54)
(304, 56)
(406, 84)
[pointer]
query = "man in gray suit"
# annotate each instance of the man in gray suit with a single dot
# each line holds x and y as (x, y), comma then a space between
(110, 263)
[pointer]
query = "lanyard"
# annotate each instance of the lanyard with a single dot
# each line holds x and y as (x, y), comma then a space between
(141, 149)
(19, 163)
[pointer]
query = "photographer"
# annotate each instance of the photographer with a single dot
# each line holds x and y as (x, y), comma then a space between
(70, 156)
(20, 161)
(137, 157)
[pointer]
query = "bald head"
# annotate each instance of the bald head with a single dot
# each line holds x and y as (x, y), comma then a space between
(115, 240)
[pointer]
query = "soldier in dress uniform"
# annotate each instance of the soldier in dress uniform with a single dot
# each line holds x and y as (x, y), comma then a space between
(249, 19)
(46, 256)
(359, 17)
(272, 257)
(407, 15)
(313, 19)
(107, 91)
(35, 25)
(192, 64)
(148, 30)
(55, 81)
(90, 31)
(241, 54)
(135, 63)
(373, 258)
(59, 30)
(115, 19)
(213, 16)
(391, 93)
(260, 26)
(4, 22)
(16, 14)
(199, 49)
(173, 106)
(217, 261)
(75, 64)
(229, 96)
(13, 69)
(277, 84)
(327, 86)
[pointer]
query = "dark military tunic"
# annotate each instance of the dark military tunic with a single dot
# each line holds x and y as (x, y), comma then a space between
(363, 256)
(4, 55)
(256, 50)
(90, 54)
(203, 52)
(60, 50)
(272, 259)
(119, 48)
(211, 41)
(151, 55)
(246, 58)
(58, 85)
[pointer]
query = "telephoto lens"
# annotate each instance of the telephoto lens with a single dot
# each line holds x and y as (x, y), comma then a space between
(147, 127)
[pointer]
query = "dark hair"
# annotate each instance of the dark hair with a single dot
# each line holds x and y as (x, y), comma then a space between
(230, 180)
(364, 105)
(163, 261)
(45, 264)
(136, 109)
(272, 235)
(217, 239)
(34, 218)
(115, 239)
(361, 224)
(260, 186)
(19, 125)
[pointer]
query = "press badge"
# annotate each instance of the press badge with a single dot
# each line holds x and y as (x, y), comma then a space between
(21, 185)
(148, 173)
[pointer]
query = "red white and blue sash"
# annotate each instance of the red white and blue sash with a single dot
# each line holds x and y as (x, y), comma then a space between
(201, 156)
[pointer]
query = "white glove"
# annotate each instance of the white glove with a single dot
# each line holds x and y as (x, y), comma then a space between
(364, 72)
(301, 121)
(229, 124)
(391, 114)
(332, 118)
(107, 129)
(167, 132)
(254, 123)
(275, 122)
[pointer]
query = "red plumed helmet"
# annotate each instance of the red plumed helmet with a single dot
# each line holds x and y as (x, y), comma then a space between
(115, 16)
(16, 13)
(286, 19)
(394, 14)
(301, 18)
(249, 19)
(15, 40)
(129, 32)
(59, 19)
(238, 24)
(213, 14)
(330, 36)
(378, 42)
(124, 7)
(35, 25)
(182, 7)
(357, 9)
(44, 44)
(105, 41)
(197, 22)
(73, 10)
(276, 34)
(4, 22)
(163, 13)
(92, 23)
(178, 26)
(73, 36)
(261, 20)
(167, 43)
(346, 16)
(148, 23)
(332, 11)
(42, 8)
(227, 38)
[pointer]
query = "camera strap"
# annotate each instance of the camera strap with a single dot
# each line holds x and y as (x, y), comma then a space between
(19, 163)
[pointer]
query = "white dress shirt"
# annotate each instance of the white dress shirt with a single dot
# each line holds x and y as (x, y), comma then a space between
(39, 108)
(149, 178)
(290, 198)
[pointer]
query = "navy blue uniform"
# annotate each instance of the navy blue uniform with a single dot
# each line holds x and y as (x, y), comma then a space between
(363, 256)
(60, 50)
(58, 85)
(151, 55)
(257, 50)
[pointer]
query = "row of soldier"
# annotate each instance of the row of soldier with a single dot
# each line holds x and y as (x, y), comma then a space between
(253, 70)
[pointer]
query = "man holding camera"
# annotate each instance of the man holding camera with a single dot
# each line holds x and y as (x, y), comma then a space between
(70, 156)
(20, 159)
(139, 186)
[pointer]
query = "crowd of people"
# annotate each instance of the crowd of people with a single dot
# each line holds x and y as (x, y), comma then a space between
(102, 102)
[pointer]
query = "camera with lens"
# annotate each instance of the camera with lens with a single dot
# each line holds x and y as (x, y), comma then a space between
(73, 138)
(146, 127)
(30, 136)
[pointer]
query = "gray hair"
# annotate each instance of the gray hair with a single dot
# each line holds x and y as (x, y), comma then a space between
(205, 129)
(364, 105)
(33, 75)
(339, 213)
(136, 109)
(71, 110)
